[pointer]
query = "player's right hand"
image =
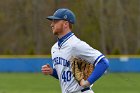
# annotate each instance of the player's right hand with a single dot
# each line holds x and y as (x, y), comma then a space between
(46, 69)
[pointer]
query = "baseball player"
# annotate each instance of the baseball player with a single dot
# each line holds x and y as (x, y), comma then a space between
(69, 45)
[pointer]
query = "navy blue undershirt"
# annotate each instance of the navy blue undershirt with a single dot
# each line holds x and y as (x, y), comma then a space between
(64, 38)
(55, 74)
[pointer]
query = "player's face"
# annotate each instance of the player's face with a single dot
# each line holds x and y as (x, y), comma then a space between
(57, 26)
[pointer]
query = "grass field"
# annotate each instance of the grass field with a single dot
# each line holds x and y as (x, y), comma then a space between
(38, 83)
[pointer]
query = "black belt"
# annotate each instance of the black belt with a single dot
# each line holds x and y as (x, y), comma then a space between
(85, 89)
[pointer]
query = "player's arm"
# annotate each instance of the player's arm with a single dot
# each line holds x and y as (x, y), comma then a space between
(92, 56)
(54, 74)
(47, 70)
(99, 70)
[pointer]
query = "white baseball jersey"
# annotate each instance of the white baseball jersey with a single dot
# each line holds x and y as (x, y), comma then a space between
(71, 46)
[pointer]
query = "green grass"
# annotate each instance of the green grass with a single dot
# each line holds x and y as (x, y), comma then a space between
(38, 83)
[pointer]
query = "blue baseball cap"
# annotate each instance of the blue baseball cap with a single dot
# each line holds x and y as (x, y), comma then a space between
(63, 14)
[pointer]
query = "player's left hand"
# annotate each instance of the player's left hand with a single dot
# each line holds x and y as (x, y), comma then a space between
(84, 83)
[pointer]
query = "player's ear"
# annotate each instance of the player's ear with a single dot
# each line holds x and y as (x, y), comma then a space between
(66, 23)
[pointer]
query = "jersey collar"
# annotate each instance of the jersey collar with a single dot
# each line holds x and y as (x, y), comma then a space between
(64, 38)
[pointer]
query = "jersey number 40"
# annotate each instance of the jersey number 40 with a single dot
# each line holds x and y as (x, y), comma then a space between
(66, 76)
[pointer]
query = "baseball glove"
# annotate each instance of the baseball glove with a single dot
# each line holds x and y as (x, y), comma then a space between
(81, 69)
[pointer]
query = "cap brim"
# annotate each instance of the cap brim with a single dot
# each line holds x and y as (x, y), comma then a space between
(53, 18)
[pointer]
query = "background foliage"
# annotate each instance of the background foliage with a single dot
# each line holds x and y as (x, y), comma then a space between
(112, 26)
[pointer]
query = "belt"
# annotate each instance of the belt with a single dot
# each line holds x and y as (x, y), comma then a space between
(85, 89)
